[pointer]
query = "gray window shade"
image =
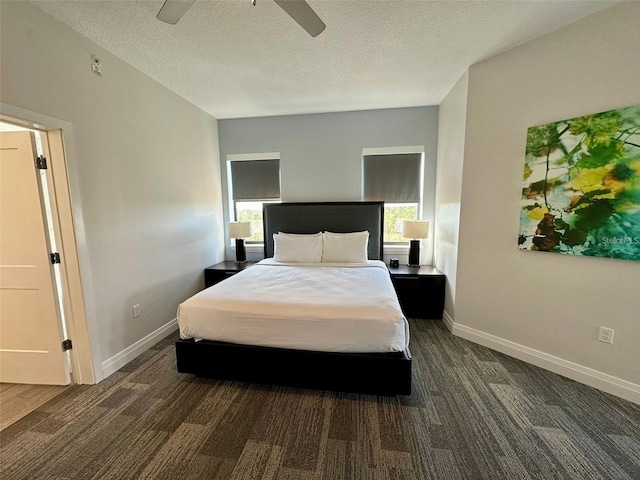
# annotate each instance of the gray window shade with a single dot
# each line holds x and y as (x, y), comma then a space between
(255, 179)
(392, 178)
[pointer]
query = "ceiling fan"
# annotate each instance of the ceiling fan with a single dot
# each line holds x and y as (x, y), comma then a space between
(299, 10)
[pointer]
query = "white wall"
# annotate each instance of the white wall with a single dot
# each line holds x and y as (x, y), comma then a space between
(147, 168)
(451, 135)
(548, 305)
(321, 154)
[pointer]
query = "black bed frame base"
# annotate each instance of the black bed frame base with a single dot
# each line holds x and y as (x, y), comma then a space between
(368, 373)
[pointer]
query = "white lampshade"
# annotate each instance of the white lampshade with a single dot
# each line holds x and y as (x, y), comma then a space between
(415, 229)
(240, 229)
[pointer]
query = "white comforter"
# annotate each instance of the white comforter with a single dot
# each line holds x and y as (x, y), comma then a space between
(322, 307)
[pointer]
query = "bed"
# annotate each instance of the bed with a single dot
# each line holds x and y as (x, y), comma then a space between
(248, 329)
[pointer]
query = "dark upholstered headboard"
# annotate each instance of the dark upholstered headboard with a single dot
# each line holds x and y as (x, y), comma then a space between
(339, 217)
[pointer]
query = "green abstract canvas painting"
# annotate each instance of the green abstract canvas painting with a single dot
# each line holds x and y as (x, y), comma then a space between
(581, 189)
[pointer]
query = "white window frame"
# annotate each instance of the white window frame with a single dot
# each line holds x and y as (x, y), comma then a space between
(244, 157)
(395, 247)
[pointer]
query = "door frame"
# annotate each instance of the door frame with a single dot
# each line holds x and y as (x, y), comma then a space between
(79, 300)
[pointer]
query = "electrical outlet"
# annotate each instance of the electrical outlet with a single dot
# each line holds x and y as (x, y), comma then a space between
(606, 334)
(137, 310)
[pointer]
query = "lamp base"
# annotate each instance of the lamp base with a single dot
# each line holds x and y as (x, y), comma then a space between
(241, 252)
(414, 254)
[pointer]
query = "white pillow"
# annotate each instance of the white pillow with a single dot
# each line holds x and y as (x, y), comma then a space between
(294, 248)
(345, 247)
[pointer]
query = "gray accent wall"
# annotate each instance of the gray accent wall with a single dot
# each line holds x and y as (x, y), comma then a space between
(321, 154)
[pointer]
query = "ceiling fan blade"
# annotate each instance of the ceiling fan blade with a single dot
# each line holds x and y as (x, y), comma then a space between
(173, 10)
(302, 13)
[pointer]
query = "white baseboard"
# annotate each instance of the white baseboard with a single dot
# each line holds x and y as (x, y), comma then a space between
(448, 321)
(602, 381)
(119, 360)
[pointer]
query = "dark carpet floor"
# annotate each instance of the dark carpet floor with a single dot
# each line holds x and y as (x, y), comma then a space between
(473, 414)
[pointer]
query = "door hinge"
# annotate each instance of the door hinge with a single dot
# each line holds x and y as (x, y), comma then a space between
(54, 257)
(41, 162)
(66, 345)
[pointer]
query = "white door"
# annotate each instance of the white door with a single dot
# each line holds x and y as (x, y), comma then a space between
(30, 326)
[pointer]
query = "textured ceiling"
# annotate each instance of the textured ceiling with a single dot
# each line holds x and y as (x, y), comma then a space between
(236, 60)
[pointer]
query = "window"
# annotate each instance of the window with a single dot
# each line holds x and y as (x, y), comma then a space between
(396, 179)
(253, 181)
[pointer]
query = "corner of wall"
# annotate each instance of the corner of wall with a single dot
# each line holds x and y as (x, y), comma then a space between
(450, 159)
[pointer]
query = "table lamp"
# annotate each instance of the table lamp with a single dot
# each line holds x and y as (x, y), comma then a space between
(415, 230)
(240, 231)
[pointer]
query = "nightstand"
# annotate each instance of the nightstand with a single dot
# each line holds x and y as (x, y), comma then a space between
(218, 272)
(420, 290)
